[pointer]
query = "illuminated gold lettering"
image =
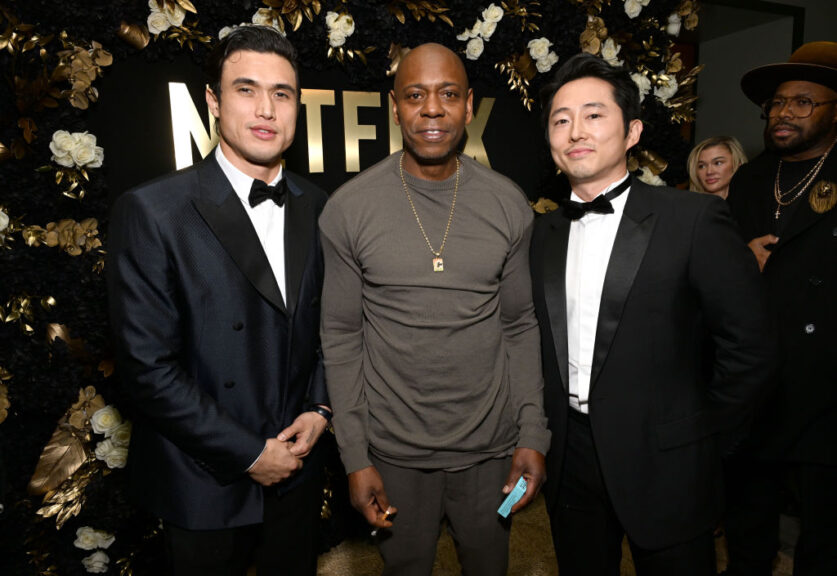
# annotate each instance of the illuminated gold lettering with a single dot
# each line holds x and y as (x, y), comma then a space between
(355, 132)
(314, 100)
(395, 141)
(474, 146)
(186, 124)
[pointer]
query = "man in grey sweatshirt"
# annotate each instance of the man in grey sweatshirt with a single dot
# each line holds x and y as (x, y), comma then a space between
(429, 336)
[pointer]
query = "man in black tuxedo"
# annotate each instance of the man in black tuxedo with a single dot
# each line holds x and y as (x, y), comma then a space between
(630, 282)
(214, 281)
(786, 203)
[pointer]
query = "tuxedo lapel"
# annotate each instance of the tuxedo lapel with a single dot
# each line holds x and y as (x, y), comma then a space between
(555, 287)
(300, 226)
(221, 209)
(629, 247)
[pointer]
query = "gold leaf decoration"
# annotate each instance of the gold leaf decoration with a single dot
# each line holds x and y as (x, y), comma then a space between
(340, 54)
(432, 10)
(543, 205)
(520, 70)
(60, 331)
(593, 35)
(134, 34)
(68, 499)
(396, 55)
(294, 11)
(4, 396)
(522, 12)
(61, 457)
(5, 153)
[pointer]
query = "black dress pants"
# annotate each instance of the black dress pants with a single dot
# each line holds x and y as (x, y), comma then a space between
(284, 544)
(756, 493)
(586, 533)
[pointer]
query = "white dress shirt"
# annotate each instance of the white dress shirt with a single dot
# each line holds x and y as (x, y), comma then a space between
(588, 253)
(268, 218)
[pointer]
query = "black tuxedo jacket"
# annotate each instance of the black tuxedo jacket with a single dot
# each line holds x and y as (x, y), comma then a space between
(799, 421)
(678, 275)
(212, 358)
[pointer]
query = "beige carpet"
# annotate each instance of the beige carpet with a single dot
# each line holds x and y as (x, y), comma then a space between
(531, 552)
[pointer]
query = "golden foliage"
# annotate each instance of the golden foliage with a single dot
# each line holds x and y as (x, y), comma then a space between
(543, 205)
(396, 55)
(293, 11)
(520, 70)
(593, 35)
(523, 13)
(134, 34)
(341, 53)
(419, 9)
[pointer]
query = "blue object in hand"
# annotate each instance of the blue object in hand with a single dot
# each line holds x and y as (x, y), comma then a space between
(516, 494)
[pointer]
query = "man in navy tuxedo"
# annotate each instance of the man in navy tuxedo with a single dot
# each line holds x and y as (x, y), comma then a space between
(214, 280)
(630, 283)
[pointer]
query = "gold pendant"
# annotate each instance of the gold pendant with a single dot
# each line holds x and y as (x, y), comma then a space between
(776, 214)
(438, 265)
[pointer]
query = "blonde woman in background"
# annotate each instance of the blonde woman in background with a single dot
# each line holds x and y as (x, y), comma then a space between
(712, 164)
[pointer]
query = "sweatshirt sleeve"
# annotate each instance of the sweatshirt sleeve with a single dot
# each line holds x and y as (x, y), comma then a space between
(342, 339)
(522, 339)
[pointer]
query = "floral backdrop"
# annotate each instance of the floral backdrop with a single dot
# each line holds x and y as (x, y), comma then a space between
(64, 429)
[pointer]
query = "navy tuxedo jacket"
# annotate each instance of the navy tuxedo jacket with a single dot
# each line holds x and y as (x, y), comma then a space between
(213, 360)
(680, 283)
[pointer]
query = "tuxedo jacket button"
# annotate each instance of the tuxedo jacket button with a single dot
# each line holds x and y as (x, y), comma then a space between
(229, 384)
(810, 328)
(238, 326)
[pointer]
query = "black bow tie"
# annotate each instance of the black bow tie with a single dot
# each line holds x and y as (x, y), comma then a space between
(600, 204)
(260, 191)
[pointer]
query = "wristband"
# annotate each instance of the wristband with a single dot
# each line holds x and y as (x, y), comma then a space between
(322, 412)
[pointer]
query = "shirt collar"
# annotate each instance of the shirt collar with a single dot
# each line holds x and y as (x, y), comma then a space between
(618, 203)
(240, 181)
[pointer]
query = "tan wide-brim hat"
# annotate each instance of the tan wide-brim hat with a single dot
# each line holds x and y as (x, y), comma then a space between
(813, 62)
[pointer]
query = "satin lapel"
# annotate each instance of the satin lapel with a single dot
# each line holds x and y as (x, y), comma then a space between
(300, 226)
(629, 247)
(222, 211)
(555, 286)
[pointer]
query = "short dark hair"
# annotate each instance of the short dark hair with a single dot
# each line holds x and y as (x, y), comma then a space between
(262, 39)
(625, 91)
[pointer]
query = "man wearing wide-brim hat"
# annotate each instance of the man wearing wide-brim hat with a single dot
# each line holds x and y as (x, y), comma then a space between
(786, 204)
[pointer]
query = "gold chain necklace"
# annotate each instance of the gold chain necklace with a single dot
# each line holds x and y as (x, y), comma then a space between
(804, 183)
(438, 263)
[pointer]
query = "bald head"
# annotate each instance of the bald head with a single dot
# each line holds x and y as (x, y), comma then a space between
(432, 103)
(433, 57)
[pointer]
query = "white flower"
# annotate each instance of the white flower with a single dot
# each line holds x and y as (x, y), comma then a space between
(673, 26)
(265, 17)
(77, 149)
(666, 89)
(340, 27)
(96, 563)
(488, 29)
(474, 48)
(113, 456)
(650, 178)
(474, 32)
(642, 82)
(225, 31)
(162, 20)
(88, 538)
(539, 48)
(4, 223)
(610, 50)
(157, 22)
(492, 14)
(633, 8)
(346, 24)
(121, 436)
(544, 65)
(105, 420)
